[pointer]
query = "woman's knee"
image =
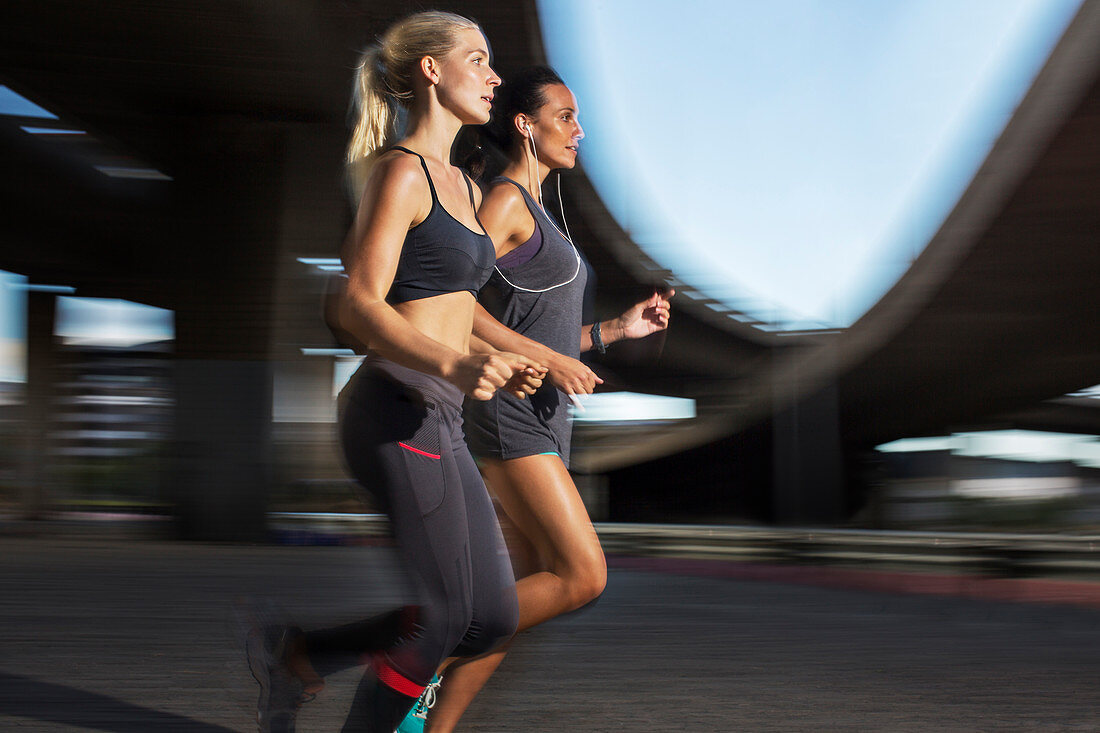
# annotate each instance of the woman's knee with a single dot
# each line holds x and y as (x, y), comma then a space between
(587, 581)
(492, 627)
(439, 632)
(589, 584)
(501, 624)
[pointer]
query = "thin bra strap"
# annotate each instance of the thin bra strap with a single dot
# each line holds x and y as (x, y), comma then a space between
(528, 201)
(469, 189)
(424, 164)
(532, 204)
(522, 190)
(473, 204)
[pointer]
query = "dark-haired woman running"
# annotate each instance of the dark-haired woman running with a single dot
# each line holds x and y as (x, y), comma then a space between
(534, 300)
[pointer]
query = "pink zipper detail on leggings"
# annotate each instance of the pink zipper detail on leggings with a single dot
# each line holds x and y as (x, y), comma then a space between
(417, 450)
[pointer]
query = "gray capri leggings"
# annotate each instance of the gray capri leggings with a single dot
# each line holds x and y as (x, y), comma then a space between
(401, 433)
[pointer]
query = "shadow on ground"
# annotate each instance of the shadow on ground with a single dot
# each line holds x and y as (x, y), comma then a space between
(25, 697)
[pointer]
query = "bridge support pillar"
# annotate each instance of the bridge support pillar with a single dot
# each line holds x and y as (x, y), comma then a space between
(808, 476)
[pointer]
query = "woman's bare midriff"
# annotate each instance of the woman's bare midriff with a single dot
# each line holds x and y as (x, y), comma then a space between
(446, 318)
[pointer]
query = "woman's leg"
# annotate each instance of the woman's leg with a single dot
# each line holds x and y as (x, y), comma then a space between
(540, 499)
(495, 612)
(318, 653)
(448, 537)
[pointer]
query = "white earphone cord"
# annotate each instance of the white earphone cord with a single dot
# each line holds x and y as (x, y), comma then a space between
(565, 234)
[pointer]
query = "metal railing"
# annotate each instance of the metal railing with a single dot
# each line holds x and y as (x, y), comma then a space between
(1012, 555)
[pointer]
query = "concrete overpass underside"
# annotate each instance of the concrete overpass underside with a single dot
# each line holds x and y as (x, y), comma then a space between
(243, 105)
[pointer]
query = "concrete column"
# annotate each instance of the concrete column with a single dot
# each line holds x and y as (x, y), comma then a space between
(808, 465)
(594, 493)
(221, 468)
(227, 213)
(39, 406)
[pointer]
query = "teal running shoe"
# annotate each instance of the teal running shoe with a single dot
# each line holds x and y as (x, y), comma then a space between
(417, 717)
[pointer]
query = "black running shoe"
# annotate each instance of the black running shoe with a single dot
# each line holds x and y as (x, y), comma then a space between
(266, 638)
(280, 691)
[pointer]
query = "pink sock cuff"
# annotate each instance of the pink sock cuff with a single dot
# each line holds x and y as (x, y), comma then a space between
(394, 680)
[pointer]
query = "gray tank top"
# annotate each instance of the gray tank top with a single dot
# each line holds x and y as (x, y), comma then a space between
(543, 297)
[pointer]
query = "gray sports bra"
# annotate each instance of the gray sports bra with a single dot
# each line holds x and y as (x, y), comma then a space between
(441, 254)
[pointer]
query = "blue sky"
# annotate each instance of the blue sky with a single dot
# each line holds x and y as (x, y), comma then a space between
(100, 321)
(111, 322)
(13, 327)
(790, 158)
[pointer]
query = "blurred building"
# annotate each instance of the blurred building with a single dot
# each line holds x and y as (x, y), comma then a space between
(111, 426)
(1009, 479)
(197, 168)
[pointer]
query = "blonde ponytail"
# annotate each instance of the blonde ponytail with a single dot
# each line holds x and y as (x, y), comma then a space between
(384, 79)
(374, 112)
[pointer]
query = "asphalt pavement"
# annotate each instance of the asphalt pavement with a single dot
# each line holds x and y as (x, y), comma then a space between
(108, 634)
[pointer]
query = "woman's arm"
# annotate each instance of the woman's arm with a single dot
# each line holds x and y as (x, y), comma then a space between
(565, 373)
(640, 320)
(525, 381)
(333, 300)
